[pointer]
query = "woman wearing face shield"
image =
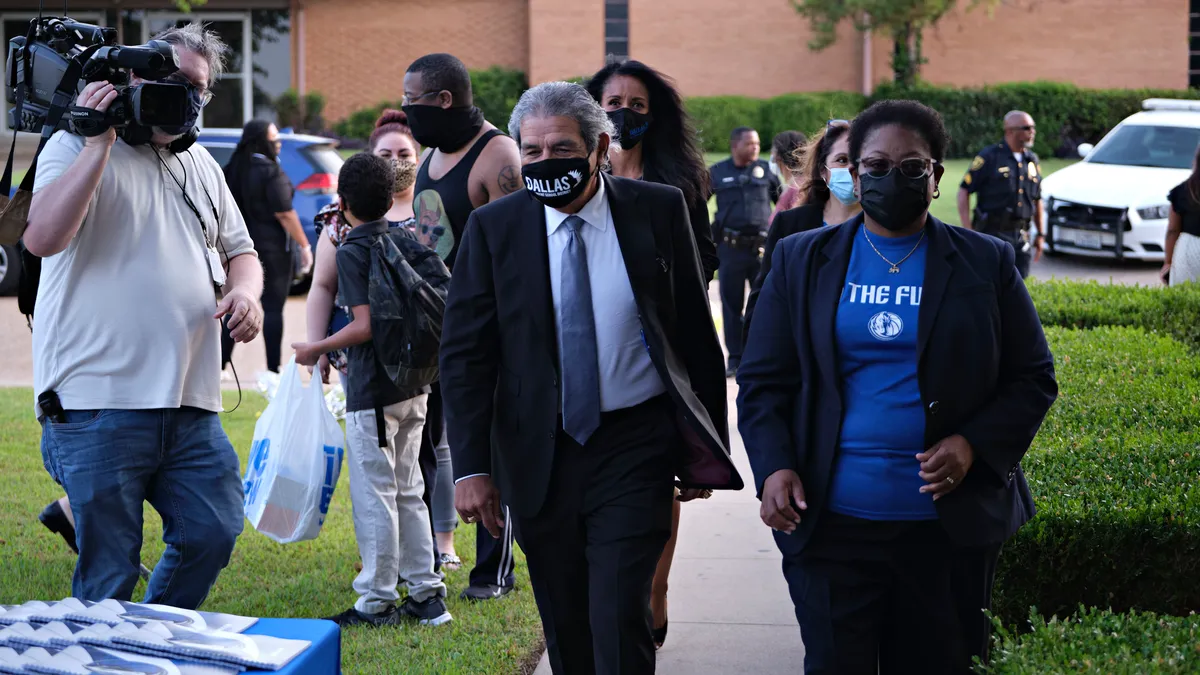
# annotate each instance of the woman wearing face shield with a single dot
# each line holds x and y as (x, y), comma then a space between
(826, 197)
(656, 142)
(895, 374)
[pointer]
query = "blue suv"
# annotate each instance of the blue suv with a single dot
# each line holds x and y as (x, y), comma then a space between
(311, 162)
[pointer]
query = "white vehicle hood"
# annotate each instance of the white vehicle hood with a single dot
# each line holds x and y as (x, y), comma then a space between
(1112, 185)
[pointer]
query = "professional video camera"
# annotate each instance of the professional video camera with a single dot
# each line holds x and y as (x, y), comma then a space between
(49, 67)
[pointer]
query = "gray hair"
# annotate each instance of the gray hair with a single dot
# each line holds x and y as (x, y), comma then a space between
(562, 99)
(196, 38)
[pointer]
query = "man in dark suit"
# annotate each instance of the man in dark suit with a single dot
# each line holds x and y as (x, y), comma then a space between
(581, 373)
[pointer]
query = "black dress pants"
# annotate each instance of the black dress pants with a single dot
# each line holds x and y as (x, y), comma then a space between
(593, 548)
(890, 598)
(738, 267)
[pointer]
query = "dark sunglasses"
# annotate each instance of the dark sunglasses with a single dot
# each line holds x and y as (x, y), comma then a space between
(1029, 127)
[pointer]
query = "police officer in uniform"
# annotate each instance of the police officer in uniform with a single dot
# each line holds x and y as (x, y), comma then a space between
(1007, 181)
(745, 188)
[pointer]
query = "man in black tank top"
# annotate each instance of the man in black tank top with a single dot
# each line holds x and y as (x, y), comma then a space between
(468, 162)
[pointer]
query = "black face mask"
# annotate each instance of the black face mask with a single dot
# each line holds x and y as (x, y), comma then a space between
(446, 129)
(894, 201)
(631, 126)
(557, 182)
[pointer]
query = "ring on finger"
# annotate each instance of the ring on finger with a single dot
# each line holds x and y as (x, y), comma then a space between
(950, 480)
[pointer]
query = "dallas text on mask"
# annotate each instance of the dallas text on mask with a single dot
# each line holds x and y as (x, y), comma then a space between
(549, 188)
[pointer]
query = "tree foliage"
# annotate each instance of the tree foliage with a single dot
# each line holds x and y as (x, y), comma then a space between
(901, 20)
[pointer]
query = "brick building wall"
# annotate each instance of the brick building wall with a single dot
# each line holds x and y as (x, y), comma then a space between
(356, 51)
(1092, 43)
(566, 39)
(755, 48)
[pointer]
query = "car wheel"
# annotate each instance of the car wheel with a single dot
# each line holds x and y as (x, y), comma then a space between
(10, 269)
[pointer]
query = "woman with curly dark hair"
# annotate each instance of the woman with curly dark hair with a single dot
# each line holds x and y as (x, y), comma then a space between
(895, 375)
(656, 141)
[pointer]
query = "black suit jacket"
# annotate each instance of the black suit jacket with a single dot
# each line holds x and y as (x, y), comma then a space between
(499, 351)
(701, 229)
(785, 224)
(984, 372)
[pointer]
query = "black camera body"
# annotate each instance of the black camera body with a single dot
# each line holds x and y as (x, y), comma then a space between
(43, 67)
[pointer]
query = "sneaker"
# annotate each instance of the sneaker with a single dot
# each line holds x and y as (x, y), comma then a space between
(485, 592)
(429, 612)
(731, 371)
(353, 617)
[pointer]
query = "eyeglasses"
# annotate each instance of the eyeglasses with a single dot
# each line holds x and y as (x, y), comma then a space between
(206, 95)
(409, 101)
(876, 167)
(1028, 127)
(837, 124)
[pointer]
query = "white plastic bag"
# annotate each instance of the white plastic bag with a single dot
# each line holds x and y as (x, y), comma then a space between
(294, 462)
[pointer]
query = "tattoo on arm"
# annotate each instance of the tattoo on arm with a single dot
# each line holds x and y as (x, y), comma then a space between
(509, 179)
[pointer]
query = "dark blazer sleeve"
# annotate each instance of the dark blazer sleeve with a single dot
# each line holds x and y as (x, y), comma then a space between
(470, 354)
(1003, 429)
(786, 223)
(697, 336)
(768, 377)
(702, 232)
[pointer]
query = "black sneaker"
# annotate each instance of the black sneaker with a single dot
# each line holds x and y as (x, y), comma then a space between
(429, 612)
(731, 371)
(353, 617)
(53, 518)
(485, 592)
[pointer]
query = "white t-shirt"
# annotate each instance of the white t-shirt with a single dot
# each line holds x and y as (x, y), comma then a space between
(125, 313)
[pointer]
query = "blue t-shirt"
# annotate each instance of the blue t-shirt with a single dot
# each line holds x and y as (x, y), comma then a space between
(876, 475)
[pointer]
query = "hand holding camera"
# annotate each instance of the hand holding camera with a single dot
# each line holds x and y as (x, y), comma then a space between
(99, 96)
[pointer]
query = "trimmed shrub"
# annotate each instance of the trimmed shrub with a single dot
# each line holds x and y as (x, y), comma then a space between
(1063, 112)
(1114, 475)
(806, 113)
(716, 116)
(1171, 311)
(1101, 642)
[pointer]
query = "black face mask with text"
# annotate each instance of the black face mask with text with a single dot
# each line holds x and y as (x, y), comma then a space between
(559, 181)
(631, 126)
(894, 201)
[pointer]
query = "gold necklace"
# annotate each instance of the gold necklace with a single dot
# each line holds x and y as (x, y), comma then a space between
(895, 266)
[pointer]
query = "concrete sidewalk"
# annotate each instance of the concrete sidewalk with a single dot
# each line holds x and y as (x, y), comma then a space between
(729, 607)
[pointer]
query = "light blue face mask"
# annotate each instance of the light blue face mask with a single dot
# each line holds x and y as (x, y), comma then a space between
(841, 185)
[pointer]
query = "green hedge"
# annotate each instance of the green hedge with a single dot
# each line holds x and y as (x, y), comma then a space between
(496, 91)
(716, 116)
(974, 116)
(1072, 304)
(1100, 642)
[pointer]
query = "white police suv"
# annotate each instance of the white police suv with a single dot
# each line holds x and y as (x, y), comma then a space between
(1113, 204)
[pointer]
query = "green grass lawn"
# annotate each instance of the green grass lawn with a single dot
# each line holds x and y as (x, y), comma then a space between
(310, 579)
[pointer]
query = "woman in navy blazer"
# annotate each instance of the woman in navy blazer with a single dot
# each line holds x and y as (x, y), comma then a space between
(895, 374)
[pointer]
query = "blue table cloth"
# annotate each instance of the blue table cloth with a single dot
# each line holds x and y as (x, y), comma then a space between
(323, 657)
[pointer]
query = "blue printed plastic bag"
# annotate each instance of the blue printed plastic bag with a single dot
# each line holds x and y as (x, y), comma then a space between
(294, 462)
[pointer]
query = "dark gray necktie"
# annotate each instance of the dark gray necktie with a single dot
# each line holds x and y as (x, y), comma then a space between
(577, 328)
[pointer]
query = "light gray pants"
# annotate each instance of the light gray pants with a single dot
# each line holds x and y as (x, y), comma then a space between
(391, 523)
(445, 518)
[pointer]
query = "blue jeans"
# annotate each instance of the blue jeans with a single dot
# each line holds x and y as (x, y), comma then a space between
(180, 460)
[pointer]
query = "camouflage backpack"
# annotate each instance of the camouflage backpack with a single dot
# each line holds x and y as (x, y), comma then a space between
(407, 297)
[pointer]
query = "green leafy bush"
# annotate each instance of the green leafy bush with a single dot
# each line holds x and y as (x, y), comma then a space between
(974, 115)
(716, 116)
(1096, 641)
(1171, 311)
(1114, 473)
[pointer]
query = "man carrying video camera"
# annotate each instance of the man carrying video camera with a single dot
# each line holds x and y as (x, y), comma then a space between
(138, 238)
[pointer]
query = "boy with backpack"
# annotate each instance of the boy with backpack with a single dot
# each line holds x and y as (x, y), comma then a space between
(396, 308)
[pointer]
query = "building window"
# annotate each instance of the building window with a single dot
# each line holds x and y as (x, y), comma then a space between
(616, 28)
(1194, 43)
